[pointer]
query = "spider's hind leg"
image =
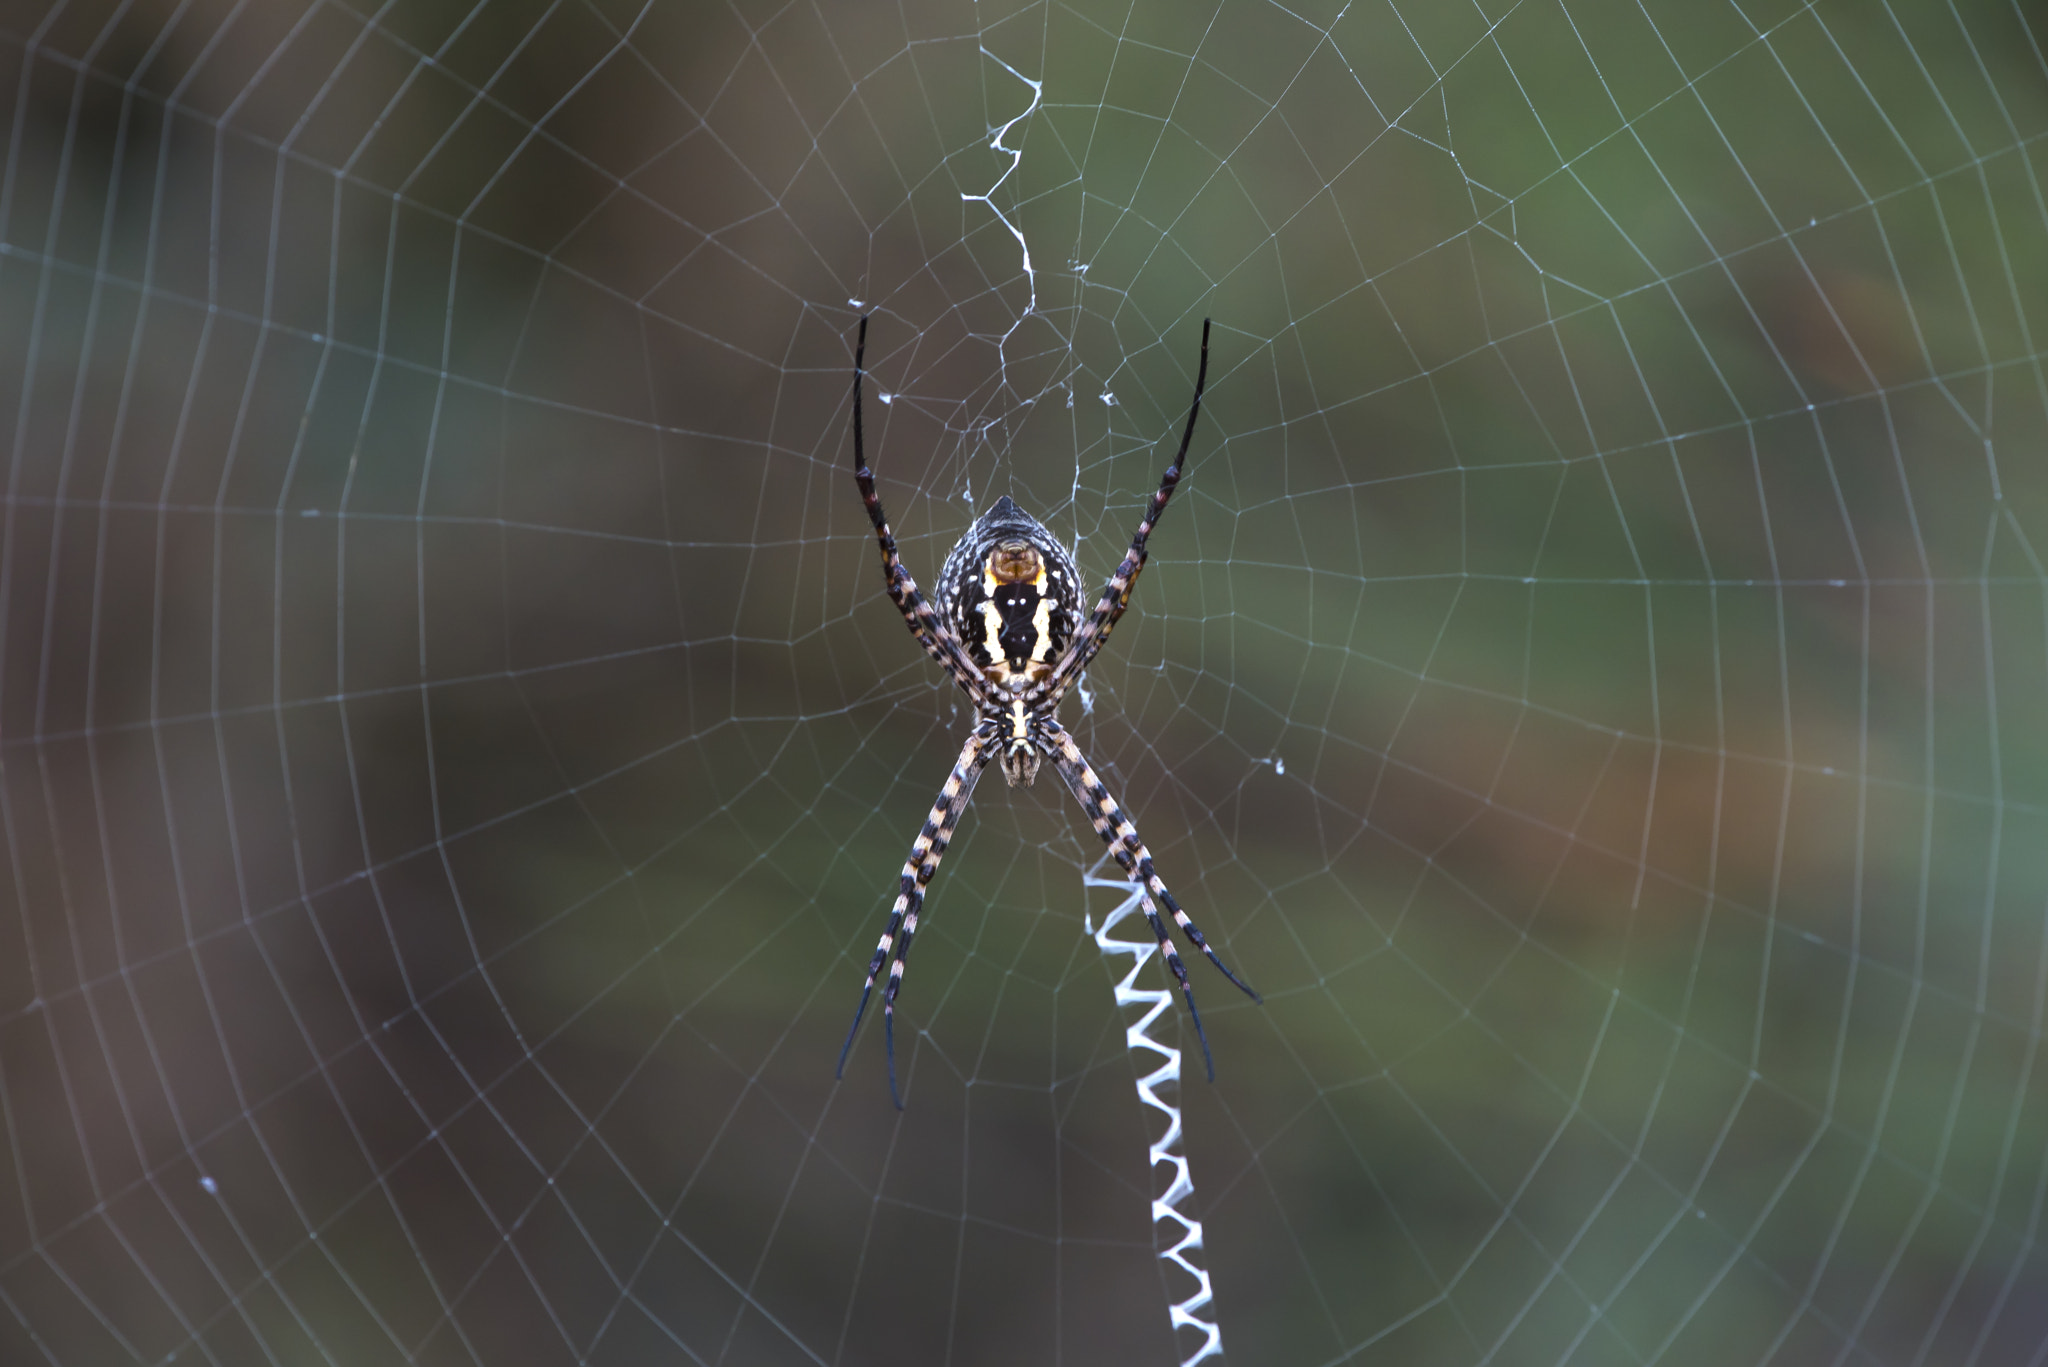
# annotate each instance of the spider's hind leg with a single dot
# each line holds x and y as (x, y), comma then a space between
(925, 853)
(1117, 832)
(1180, 975)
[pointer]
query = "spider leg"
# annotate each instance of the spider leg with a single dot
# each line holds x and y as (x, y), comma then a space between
(903, 591)
(1118, 832)
(925, 853)
(1114, 825)
(1116, 594)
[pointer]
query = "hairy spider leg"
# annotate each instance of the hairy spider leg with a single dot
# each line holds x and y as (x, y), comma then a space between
(903, 592)
(1116, 594)
(1118, 832)
(925, 853)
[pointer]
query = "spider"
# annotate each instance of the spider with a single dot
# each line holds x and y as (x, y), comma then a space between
(1008, 629)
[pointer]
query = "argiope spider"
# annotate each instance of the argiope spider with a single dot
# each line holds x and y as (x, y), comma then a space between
(1008, 629)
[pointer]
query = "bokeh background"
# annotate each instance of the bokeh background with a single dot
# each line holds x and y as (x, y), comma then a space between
(455, 752)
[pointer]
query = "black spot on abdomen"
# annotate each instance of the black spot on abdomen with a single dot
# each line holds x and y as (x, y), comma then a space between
(1018, 606)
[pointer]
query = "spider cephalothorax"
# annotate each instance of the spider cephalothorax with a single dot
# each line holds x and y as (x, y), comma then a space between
(1008, 629)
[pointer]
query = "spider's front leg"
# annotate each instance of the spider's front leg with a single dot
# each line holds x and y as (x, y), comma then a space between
(1116, 594)
(1117, 831)
(925, 853)
(924, 624)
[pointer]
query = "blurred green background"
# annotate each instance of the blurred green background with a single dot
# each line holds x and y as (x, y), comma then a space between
(457, 753)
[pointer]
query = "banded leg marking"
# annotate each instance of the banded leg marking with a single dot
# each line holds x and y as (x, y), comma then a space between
(903, 590)
(1082, 782)
(1116, 594)
(1115, 827)
(1121, 836)
(925, 853)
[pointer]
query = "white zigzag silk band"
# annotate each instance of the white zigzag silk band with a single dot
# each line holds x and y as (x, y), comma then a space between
(1176, 1234)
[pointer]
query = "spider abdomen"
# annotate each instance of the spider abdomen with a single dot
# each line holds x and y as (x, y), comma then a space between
(1009, 593)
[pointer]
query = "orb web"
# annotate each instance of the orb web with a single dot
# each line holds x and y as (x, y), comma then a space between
(455, 750)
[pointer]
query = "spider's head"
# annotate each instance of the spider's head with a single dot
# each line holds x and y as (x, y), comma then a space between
(1009, 591)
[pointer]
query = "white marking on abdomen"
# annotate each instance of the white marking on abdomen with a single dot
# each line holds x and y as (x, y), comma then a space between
(1041, 626)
